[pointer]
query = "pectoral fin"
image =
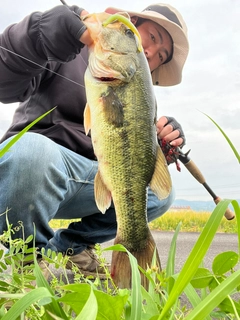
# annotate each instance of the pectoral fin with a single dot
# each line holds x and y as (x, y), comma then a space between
(87, 119)
(161, 183)
(102, 194)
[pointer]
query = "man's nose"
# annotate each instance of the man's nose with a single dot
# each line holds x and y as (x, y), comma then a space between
(147, 53)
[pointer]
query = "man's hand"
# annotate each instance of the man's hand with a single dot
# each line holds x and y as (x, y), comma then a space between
(171, 131)
(85, 37)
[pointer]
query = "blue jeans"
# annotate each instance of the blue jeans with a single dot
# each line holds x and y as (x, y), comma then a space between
(41, 180)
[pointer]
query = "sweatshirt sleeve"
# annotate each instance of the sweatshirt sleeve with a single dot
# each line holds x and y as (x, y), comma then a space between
(41, 40)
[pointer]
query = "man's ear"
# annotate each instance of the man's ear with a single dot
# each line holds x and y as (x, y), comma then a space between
(134, 19)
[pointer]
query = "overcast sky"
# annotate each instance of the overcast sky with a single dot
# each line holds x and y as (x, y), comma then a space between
(211, 85)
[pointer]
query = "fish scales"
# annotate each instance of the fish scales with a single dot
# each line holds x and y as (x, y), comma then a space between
(115, 145)
(121, 113)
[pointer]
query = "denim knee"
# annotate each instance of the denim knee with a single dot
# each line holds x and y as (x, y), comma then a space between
(31, 151)
(28, 180)
(156, 207)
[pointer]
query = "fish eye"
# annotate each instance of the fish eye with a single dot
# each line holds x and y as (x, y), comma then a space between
(129, 33)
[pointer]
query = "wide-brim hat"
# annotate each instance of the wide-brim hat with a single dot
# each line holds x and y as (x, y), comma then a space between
(169, 18)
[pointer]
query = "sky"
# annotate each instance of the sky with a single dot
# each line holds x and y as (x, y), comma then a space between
(210, 86)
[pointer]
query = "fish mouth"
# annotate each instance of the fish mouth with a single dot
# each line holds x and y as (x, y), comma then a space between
(102, 72)
(106, 79)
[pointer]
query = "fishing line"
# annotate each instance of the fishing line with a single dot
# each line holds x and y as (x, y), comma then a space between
(39, 65)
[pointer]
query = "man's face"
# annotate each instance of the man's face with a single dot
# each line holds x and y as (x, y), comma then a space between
(156, 42)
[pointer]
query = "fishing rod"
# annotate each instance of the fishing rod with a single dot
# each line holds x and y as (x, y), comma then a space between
(197, 174)
(64, 2)
(173, 154)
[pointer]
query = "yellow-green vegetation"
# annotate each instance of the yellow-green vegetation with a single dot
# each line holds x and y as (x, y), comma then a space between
(58, 224)
(192, 221)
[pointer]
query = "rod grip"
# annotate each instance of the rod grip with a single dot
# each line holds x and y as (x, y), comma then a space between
(193, 169)
(228, 213)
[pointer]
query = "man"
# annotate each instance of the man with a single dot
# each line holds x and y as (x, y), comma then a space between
(49, 173)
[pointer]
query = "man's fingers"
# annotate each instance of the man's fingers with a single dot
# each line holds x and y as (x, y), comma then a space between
(168, 134)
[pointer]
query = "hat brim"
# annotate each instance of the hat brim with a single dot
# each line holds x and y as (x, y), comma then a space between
(168, 74)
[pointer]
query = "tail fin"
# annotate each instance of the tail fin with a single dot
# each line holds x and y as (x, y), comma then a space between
(121, 268)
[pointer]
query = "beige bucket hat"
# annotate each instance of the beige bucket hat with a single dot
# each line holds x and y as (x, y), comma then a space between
(170, 73)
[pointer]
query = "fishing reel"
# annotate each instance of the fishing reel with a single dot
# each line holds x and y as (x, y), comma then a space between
(172, 154)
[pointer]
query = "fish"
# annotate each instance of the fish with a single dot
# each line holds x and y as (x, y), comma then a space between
(120, 115)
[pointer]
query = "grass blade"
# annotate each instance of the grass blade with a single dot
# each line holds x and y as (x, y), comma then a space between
(170, 269)
(90, 309)
(193, 297)
(52, 306)
(196, 256)
(151, 306)
(21, 133)
(237, 212)
(40, 280)
(136, 308)
(21, 305)
(226, 137)
(215, 297)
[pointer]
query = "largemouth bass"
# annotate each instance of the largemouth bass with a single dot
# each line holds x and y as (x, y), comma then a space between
(121, 113)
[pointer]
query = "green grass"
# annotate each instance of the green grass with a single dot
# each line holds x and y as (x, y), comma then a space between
(191, 221)
(209, 293)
